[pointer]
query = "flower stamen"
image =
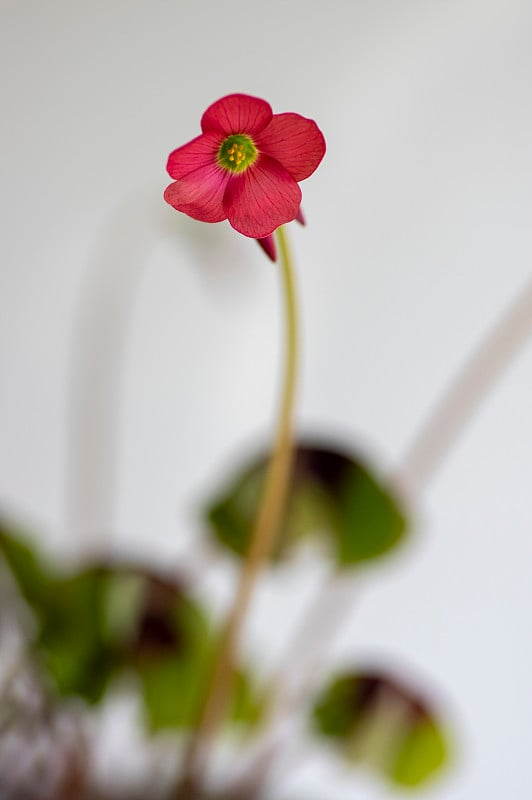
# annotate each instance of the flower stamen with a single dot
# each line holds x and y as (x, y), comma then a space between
(237, 153)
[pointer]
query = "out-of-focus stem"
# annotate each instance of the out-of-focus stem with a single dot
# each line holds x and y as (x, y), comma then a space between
(471, 385)
(262, 543)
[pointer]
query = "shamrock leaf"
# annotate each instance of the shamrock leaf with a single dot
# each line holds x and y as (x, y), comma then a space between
(373, 718)
(332, 495)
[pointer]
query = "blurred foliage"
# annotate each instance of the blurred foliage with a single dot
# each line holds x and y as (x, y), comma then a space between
(109, 619)
(332, 495)
(374, 719)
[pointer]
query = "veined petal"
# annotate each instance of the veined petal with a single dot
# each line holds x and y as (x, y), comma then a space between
(236, 113)
(200, 152)
(200, 193)
(260, 199)
(295, 142)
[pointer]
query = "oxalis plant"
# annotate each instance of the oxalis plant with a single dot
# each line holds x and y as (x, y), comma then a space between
(67, 635)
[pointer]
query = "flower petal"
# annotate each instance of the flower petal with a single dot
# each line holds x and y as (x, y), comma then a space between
(200, 193)
(295, 142)
(260, 199)
(236, 113)
(268, 245)
(200, 152)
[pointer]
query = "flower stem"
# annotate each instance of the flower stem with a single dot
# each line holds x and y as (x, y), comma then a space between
(451, 415)
(262, 543)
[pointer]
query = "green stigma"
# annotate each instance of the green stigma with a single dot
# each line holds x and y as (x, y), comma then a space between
(237, 153)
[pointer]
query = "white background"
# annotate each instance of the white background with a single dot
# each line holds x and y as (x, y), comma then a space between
(418, 237)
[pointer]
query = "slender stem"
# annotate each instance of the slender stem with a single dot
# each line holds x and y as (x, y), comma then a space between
(471, 385)
(262, 541)
(317, 629)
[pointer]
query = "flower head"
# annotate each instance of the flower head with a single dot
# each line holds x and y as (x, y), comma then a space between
(245, 166)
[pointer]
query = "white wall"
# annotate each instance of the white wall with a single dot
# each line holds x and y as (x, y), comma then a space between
(419, 236)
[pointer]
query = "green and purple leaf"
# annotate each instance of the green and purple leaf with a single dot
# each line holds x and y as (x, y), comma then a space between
(96, 624)
(333, 496)
(373, 718)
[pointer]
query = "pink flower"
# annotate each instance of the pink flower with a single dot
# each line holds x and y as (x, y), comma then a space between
(245, 166)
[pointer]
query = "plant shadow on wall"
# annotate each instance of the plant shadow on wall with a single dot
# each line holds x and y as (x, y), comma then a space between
(71, 639)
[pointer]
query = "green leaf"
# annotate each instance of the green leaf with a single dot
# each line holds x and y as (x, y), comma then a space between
(248, 705)
(374, 719)
(171, 651)
(105, 620)
(232, 515)
(332, 495)
(172, 689)
(371, 522)
(74, 647)
(421, 753)
(31, 575)
(69, 613)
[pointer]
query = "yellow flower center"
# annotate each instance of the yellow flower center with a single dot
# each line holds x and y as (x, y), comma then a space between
(237, 153)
